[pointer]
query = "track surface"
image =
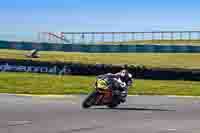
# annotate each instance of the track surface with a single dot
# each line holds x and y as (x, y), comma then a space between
(141, 114)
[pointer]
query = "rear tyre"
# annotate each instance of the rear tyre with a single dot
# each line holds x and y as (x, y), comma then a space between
(115, 102)
(89, 101)
(113, 105)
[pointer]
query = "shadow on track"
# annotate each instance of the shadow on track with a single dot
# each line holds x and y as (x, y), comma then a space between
(133, 109)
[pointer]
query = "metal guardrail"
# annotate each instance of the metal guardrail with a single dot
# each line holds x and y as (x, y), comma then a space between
(118, 37)
(104, 37)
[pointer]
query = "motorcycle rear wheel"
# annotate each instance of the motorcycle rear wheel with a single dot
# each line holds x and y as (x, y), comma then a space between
(113, 105)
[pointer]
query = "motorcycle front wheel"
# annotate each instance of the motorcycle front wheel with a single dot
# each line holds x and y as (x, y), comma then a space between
(90, 100)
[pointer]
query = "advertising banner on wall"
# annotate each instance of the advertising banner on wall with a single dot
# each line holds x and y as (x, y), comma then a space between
(6, 67)
(12, 65)
(58, 68)
(30, 66)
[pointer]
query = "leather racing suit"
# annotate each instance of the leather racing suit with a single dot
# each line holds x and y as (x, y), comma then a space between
(114, 81)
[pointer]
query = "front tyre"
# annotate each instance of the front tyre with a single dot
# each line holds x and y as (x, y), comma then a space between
(89, 101)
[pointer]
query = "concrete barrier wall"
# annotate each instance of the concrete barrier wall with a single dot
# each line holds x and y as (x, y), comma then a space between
(100, 48)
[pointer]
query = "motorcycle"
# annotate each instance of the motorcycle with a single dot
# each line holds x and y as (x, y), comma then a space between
(110, 97)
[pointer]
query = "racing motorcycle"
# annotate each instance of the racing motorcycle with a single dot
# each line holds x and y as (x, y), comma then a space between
(110, 97)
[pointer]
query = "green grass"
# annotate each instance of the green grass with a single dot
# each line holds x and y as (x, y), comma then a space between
(170, 60)
(162, 42)
(27, 83)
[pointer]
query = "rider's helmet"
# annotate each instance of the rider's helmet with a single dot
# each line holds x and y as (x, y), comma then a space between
(124, 75)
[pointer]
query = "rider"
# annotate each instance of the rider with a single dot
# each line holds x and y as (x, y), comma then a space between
(108, 81)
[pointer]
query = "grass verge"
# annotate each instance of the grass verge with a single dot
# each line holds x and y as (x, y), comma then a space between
(28, 83)
(150, 60)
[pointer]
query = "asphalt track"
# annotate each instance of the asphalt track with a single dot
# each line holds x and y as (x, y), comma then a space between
(141, 114)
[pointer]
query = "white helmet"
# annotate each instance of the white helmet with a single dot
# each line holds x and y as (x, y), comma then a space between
(123, 73)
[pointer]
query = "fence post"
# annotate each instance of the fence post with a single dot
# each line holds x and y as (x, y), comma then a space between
(102, 37)
(113, 37)
(72, 38)
(190, 35)
(181, 35)
(133, 36)
(162, 35)
(153, 37)
(93, 37)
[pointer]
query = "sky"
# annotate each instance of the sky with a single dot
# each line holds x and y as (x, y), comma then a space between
(98, 15)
